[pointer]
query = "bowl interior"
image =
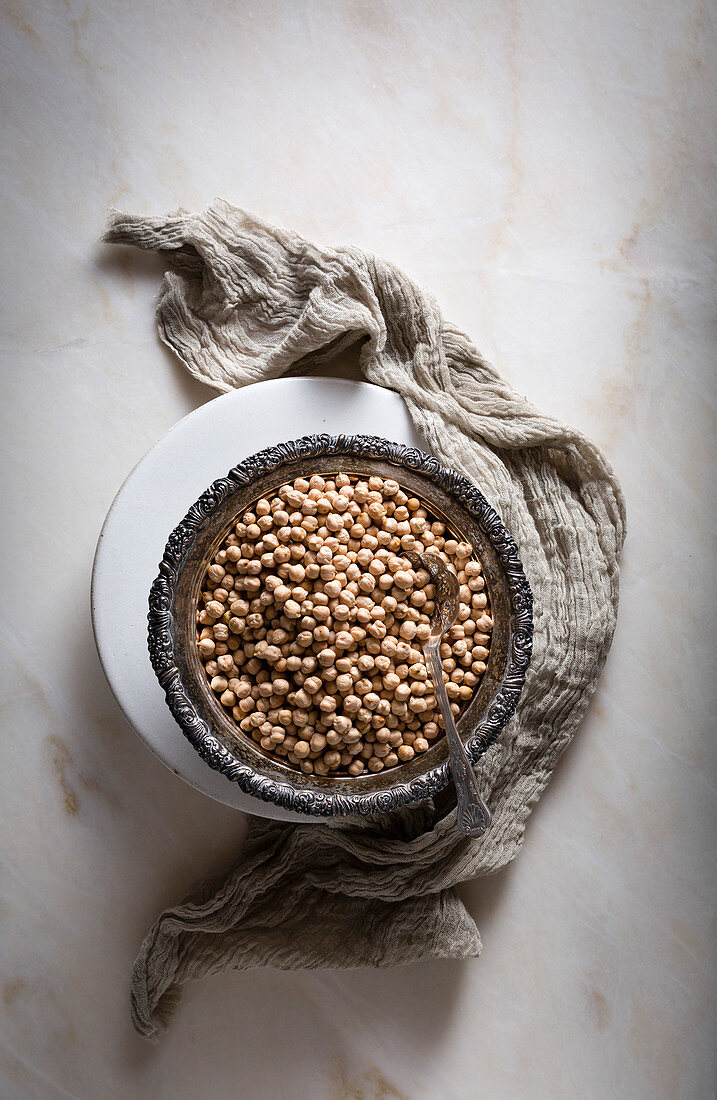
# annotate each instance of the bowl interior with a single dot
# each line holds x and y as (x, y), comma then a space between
(208, 538)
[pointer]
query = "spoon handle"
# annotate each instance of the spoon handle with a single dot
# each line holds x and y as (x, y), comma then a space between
(473, 814)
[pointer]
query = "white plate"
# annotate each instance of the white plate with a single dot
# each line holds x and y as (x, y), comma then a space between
(155, 497)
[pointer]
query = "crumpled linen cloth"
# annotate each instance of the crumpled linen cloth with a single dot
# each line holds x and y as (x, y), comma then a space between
(243, 301)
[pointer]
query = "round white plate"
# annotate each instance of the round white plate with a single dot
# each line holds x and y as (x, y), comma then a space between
(202, 447)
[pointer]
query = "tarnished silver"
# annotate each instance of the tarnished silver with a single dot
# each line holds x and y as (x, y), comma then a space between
(473, 814)
(172, 623)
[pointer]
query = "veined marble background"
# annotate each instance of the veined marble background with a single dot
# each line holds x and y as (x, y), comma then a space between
(546, 169)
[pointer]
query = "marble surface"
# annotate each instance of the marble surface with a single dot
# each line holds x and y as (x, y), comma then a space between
(545, 168)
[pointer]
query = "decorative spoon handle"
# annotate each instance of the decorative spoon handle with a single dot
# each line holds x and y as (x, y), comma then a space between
(473, 814)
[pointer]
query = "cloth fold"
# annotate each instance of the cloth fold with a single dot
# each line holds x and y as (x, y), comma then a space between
(244, 301)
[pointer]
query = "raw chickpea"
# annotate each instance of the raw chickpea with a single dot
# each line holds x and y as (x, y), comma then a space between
(352, 704)
(341, 724)
(215, 573)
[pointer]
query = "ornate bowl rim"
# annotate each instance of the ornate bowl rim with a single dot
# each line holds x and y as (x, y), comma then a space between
(326, 802)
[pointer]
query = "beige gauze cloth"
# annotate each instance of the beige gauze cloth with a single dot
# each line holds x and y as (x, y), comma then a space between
(241, 302)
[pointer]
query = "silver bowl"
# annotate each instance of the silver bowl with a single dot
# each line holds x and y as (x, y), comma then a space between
(173, 600)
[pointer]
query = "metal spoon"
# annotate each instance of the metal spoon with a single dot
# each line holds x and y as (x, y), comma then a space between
(473, 814)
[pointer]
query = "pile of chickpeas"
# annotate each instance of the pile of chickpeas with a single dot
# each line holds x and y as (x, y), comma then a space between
(310, 625)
